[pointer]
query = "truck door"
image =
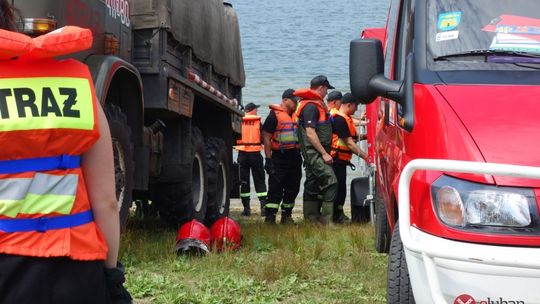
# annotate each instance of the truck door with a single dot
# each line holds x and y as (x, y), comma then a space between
(386, 130)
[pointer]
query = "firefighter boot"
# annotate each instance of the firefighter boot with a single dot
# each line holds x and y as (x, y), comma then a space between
(312, 211)
(247, 209)
(286, 217)
(340, 217)
(270, 218)
(327, 210)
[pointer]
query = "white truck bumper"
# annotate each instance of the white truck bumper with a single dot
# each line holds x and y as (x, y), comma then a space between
(446, 271)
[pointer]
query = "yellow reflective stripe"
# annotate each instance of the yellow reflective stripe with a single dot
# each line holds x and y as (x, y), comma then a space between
(244, 194)
(10, 207)
(271, 206)
(45, 103)
(48, 203)
(38, 204)
(341, 143)
(259, 194)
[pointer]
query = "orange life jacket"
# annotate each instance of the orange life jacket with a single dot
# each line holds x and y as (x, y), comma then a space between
(251, 134)
(323, 115)
(285, 136)
(48, 119)
(340, 150)
(308, 96)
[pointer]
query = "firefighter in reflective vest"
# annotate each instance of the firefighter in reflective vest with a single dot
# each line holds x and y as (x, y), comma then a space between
(315, 137)
(249, 157)
(283, 161)
(344, 139)
(59, 224)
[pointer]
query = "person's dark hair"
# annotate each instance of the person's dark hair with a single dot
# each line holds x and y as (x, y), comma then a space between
(7, 16)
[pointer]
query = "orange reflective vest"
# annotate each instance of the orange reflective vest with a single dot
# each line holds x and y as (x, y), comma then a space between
(251, 134)
(48, 119)
(285, 136)
(340, 150)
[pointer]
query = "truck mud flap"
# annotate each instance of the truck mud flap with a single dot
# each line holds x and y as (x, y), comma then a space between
(360, 191)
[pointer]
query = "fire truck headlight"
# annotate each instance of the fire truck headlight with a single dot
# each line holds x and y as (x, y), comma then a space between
(463, 204)
(498, 208)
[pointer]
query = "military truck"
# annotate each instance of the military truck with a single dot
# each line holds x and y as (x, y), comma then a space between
(169, 75)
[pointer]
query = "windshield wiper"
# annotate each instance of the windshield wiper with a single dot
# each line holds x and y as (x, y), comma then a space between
(486, 53)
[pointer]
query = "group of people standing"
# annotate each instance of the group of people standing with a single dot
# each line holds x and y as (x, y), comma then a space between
(301, 127)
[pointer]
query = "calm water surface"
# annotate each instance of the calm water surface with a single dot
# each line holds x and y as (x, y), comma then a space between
(287, 42)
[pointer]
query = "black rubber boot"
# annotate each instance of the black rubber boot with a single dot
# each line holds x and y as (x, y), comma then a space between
(341, 218)
(270, 218)
(247, 209)
(286, 218)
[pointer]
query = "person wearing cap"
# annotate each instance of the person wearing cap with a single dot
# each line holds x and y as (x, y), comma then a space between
(250, 159)
(315, 137)
(283, 161)
(344, 139)
(334, 101)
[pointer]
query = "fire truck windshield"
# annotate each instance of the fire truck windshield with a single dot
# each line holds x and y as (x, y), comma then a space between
(482, 33)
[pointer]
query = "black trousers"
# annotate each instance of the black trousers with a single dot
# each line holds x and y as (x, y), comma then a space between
(252, 161)
(284, 184)
(340, 169)
(51, 280)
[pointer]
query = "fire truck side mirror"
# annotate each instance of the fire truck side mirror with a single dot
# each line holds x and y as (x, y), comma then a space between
(366, 72)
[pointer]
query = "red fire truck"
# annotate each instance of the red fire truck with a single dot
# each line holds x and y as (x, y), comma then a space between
(452, 90)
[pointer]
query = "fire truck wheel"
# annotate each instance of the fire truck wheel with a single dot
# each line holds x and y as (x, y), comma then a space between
(398, 288)
(219, 180)
(123, 159)
(382, 229)
(181, 202)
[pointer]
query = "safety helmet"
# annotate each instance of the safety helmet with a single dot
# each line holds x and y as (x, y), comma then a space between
(226, 234)
(193, 238)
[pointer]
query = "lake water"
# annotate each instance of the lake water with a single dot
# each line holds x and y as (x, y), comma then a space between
(287, 42)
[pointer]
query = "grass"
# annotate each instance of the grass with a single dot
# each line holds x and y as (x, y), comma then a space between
(276, 264)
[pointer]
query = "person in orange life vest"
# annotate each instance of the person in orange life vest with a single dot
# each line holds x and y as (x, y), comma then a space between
(249, 157)
(59, 223)
(344, 139)
(315, 137)
(334, 101)
(283, 161)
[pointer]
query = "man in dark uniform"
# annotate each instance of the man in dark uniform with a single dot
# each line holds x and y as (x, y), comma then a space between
(249, 157)
(344, 146)
(283, 161)
(315, 137)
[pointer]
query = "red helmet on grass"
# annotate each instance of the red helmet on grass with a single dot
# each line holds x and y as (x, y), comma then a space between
(193, 238)
(226, 234)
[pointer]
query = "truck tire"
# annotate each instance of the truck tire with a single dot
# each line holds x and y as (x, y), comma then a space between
(219, 180)
(123, 159)
(360, 214)
(181, 202)
(398, 288)
(382, 229)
